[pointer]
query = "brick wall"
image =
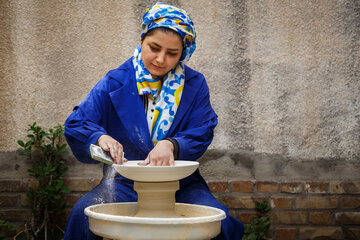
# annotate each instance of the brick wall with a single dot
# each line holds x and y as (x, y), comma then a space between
(300, 210)
(16, 209)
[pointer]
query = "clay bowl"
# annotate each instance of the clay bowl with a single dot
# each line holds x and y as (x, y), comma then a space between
(136, 172)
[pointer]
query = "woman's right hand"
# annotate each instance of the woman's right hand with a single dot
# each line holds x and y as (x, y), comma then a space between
(109, 144)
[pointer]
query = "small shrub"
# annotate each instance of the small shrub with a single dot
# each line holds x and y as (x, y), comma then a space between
(257, 229)
(46, 151)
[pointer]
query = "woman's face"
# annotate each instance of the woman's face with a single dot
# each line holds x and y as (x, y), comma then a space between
(161, 51)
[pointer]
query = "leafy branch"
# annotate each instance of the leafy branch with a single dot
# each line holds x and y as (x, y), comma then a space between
(257, 229)
(46, 150)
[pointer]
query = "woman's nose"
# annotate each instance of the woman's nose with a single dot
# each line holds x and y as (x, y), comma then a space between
(160, 58)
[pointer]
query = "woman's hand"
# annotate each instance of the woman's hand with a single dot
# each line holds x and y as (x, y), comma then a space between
(161, 155)
(109, 144)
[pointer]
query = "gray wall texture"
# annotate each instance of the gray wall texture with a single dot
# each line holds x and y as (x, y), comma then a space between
(284, 78)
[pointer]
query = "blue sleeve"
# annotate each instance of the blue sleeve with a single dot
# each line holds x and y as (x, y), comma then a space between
(84, 125)
(200, 123)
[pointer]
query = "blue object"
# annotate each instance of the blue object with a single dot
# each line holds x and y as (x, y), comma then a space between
(114, 107)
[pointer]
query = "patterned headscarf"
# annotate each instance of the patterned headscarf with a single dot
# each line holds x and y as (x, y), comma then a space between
(164, 15)
(169, 91)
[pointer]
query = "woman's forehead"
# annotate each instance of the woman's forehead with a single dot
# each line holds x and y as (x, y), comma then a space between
(166, 40)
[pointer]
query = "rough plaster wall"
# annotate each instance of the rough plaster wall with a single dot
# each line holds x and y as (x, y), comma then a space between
(284, 78)
(60, 49)
(7, 68)
(305, 73)
(222, 46)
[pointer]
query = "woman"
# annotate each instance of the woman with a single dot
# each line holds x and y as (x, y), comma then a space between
(152, 107)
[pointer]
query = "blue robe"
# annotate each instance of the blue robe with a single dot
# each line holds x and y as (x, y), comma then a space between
(114, 107)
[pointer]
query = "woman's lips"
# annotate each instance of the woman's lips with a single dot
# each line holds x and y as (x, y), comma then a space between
(157, 67)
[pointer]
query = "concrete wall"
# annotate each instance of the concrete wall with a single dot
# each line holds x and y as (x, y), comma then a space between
(284, 78)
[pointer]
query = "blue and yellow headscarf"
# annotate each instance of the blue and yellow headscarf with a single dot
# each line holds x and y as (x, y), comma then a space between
(169, 91)
(164, 15)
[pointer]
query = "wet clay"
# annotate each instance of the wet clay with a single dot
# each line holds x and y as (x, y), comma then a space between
(156, 200)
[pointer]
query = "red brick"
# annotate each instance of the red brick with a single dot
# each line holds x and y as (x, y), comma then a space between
(247, 217)
(242, 186)
(348, 218)
(241, 202)
(8, 201)
(318, 218)
(291, 187)
(219, 187)
(16, 215)
(71, 199)
(79, 184)
(96, 181)
(233, 213)
(281, 202)
(345, 187)
(285, 233)
(218, 198)
(320, 233)
(288, 217)
(315, 187)
(267, 187)
(33, 183)
(350, 202)
(316, 202)
(8, 185)
(24, 201)
(349, 233)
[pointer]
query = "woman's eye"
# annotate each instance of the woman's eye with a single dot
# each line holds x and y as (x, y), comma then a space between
(154, 49)
(172, 54)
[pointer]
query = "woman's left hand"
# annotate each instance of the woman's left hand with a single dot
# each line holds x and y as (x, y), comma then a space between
(161, 155)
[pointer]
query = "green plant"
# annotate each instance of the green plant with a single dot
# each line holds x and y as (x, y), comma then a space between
(257, 229)
(5, 225)
(46, 150)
